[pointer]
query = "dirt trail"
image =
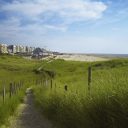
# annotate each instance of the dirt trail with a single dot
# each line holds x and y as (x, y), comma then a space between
(28, 116)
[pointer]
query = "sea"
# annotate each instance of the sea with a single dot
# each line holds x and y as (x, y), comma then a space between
(100, 55)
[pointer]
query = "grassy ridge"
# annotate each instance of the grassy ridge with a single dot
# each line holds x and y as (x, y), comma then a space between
(106, 107)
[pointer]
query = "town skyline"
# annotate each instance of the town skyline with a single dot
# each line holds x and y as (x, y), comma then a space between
(75, 26)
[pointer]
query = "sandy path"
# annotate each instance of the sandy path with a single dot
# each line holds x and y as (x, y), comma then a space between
(28, 116)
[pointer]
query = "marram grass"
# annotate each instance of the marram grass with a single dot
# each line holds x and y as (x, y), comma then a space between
(105, 106)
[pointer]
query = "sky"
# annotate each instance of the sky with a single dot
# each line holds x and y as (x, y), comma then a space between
(75, 26)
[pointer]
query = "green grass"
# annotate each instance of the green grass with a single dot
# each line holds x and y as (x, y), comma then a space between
(106, 106)
(15, 69)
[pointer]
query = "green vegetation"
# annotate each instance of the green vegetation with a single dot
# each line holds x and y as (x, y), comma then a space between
(14, 69)
(106, 106)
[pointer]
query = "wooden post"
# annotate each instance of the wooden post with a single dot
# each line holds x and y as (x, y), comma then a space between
(51, 83)
(14, 88)
(89, 77)
(4, 93)
(66, 88)
(11, 90)
(55, 87)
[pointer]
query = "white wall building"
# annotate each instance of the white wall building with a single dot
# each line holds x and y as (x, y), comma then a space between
(3, 48)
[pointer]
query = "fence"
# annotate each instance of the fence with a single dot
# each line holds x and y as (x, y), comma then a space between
(47, 82)
(14, 87)
(10, 90)
(53, 85)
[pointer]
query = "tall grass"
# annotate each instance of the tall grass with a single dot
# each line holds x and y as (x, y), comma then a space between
(106, 106)
(9, 106)
(15, 69)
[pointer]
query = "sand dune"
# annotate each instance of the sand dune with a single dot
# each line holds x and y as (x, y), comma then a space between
(78, 57)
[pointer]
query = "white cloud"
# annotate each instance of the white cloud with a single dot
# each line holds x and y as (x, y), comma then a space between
(61, 28)
(77, 10)
(9, 27)
(81, 10)
(29, 19)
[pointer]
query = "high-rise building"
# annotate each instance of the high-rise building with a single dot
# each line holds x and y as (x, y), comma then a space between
(3, 48)
(17, 48)
(12, 49)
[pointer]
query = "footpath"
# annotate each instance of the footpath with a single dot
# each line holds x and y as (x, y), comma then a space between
(28, 116)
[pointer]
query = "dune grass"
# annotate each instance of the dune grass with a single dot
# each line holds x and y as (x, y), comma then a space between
(106, 106)
(15, 69)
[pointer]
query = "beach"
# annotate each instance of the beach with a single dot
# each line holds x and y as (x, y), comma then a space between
(80, 57)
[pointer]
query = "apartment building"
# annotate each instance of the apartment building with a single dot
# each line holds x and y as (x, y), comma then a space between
(3, 48)
(12, 48)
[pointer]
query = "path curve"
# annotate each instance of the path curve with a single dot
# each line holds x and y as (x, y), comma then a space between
(28, 116)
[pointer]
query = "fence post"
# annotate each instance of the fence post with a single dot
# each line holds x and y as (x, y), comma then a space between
(10, 90)
(55, 87)
(4, 93)
(66, 88)
(51, 83)
(43, 82)
(89, 77)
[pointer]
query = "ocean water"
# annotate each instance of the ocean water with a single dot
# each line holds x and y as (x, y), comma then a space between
(112, 55)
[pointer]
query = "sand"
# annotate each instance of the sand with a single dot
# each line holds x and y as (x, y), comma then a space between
(78, 57)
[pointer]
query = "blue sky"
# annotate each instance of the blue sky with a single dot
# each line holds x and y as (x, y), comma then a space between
(84, 26)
